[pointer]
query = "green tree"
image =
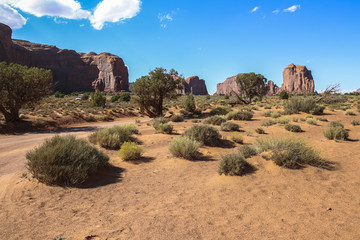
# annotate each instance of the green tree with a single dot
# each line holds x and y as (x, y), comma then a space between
(153, 89)
(251, 85)
(98, 99)
(283, 95)
(21, 85)
(190, 105)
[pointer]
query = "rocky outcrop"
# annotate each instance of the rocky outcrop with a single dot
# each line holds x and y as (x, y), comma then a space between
(297, 80)
(273, 88)
(227, 87)
(194, 85)
(72, 71)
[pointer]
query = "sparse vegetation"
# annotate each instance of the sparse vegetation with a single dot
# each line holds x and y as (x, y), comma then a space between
(185, 147)
(219, 111)
(241, 115)
(336, 131)
(113, 138)
(98, 99)
(234, 164)
(130, 151)
(205, 134)
(292, 152)
(237, 137)
(215, 120)
(177, 118)
(259, 131)
(355, 122)
(293, 128)
(64, 161)
(247, 151)
(190, 105)
(229, 127)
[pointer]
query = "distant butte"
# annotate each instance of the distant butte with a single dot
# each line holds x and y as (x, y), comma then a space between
(72, 71)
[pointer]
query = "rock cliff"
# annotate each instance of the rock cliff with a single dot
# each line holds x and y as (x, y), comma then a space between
(297, 79)
(194, 85)
(72, 71)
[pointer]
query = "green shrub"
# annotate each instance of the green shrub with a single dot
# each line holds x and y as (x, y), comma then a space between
(349, 112)
(85, 97)
(303, 104)
(65, 161)
(234, 164)
(275, 114)
(317, 110)
(295, 119)
(247, 151)
(267, 114)
(237, 137)
(177, 118)
(113, 138)
(241, 115)
(165, 128)
(291, 152)
(322, 119)
(336, 124)
(311, 121)
(259, 131)
(157, 121)
(184, 147)
(190, 105)
(59, 95)
(219, 111)
(215, 120)
(130, 151)
(229, 127)
(293, 128)
(282, 120)
(205, 134)
(355, 122)
(97, 99)
(336, 133)
(268, 123)
(124, 97)
(283, 95)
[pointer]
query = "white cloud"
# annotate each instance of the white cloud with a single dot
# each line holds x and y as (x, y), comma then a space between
(167, 17)
(254, 9)
(292, 8)
(114, 11)
(11, 16)
(276, 11)
(69, 9)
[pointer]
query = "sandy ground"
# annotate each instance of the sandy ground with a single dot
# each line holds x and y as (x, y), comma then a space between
(162, 197)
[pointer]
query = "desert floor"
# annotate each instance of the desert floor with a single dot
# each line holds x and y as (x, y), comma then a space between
(162, 197)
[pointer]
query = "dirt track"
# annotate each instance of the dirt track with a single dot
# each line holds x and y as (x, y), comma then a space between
(14, 147)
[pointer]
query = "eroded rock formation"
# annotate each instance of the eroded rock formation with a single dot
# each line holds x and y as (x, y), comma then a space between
(228, 86)
(72, 71)
(297, 79)
(194, 85)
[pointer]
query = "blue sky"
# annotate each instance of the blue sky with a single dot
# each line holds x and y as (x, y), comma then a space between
(213, 39)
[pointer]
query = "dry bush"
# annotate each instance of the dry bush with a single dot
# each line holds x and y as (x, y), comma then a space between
(113, 138)
(205, 134)
(293, 128)
(184, 147)
(336, 131)
(234, 164)
(215, 120)
(229, 127)
(130, 151)
(65, 161)
(241, 115)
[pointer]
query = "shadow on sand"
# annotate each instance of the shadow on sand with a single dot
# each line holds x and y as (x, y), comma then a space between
(103, 177)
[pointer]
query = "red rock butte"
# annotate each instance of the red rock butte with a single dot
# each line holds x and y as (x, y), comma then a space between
(297, 79)
(72, 71)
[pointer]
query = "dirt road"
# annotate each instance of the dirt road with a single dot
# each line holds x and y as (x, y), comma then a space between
(14, 147)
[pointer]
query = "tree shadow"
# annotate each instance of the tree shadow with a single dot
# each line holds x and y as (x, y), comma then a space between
(223, 143)
(105, 176)
(142, 160)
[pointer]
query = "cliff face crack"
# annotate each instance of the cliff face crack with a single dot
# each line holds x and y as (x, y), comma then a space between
(72, 71)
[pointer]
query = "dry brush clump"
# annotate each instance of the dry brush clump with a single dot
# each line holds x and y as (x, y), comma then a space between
(113, 138)
(204, 134)
(293, 127)
(229, 127)
(161, 125)
(65, 161)
(234, 164)
(220, 111)
(130, 151)
(336, 131)
(184, 147)
(240, 115)
(177, 118)
(292, 152)
(215, 120)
